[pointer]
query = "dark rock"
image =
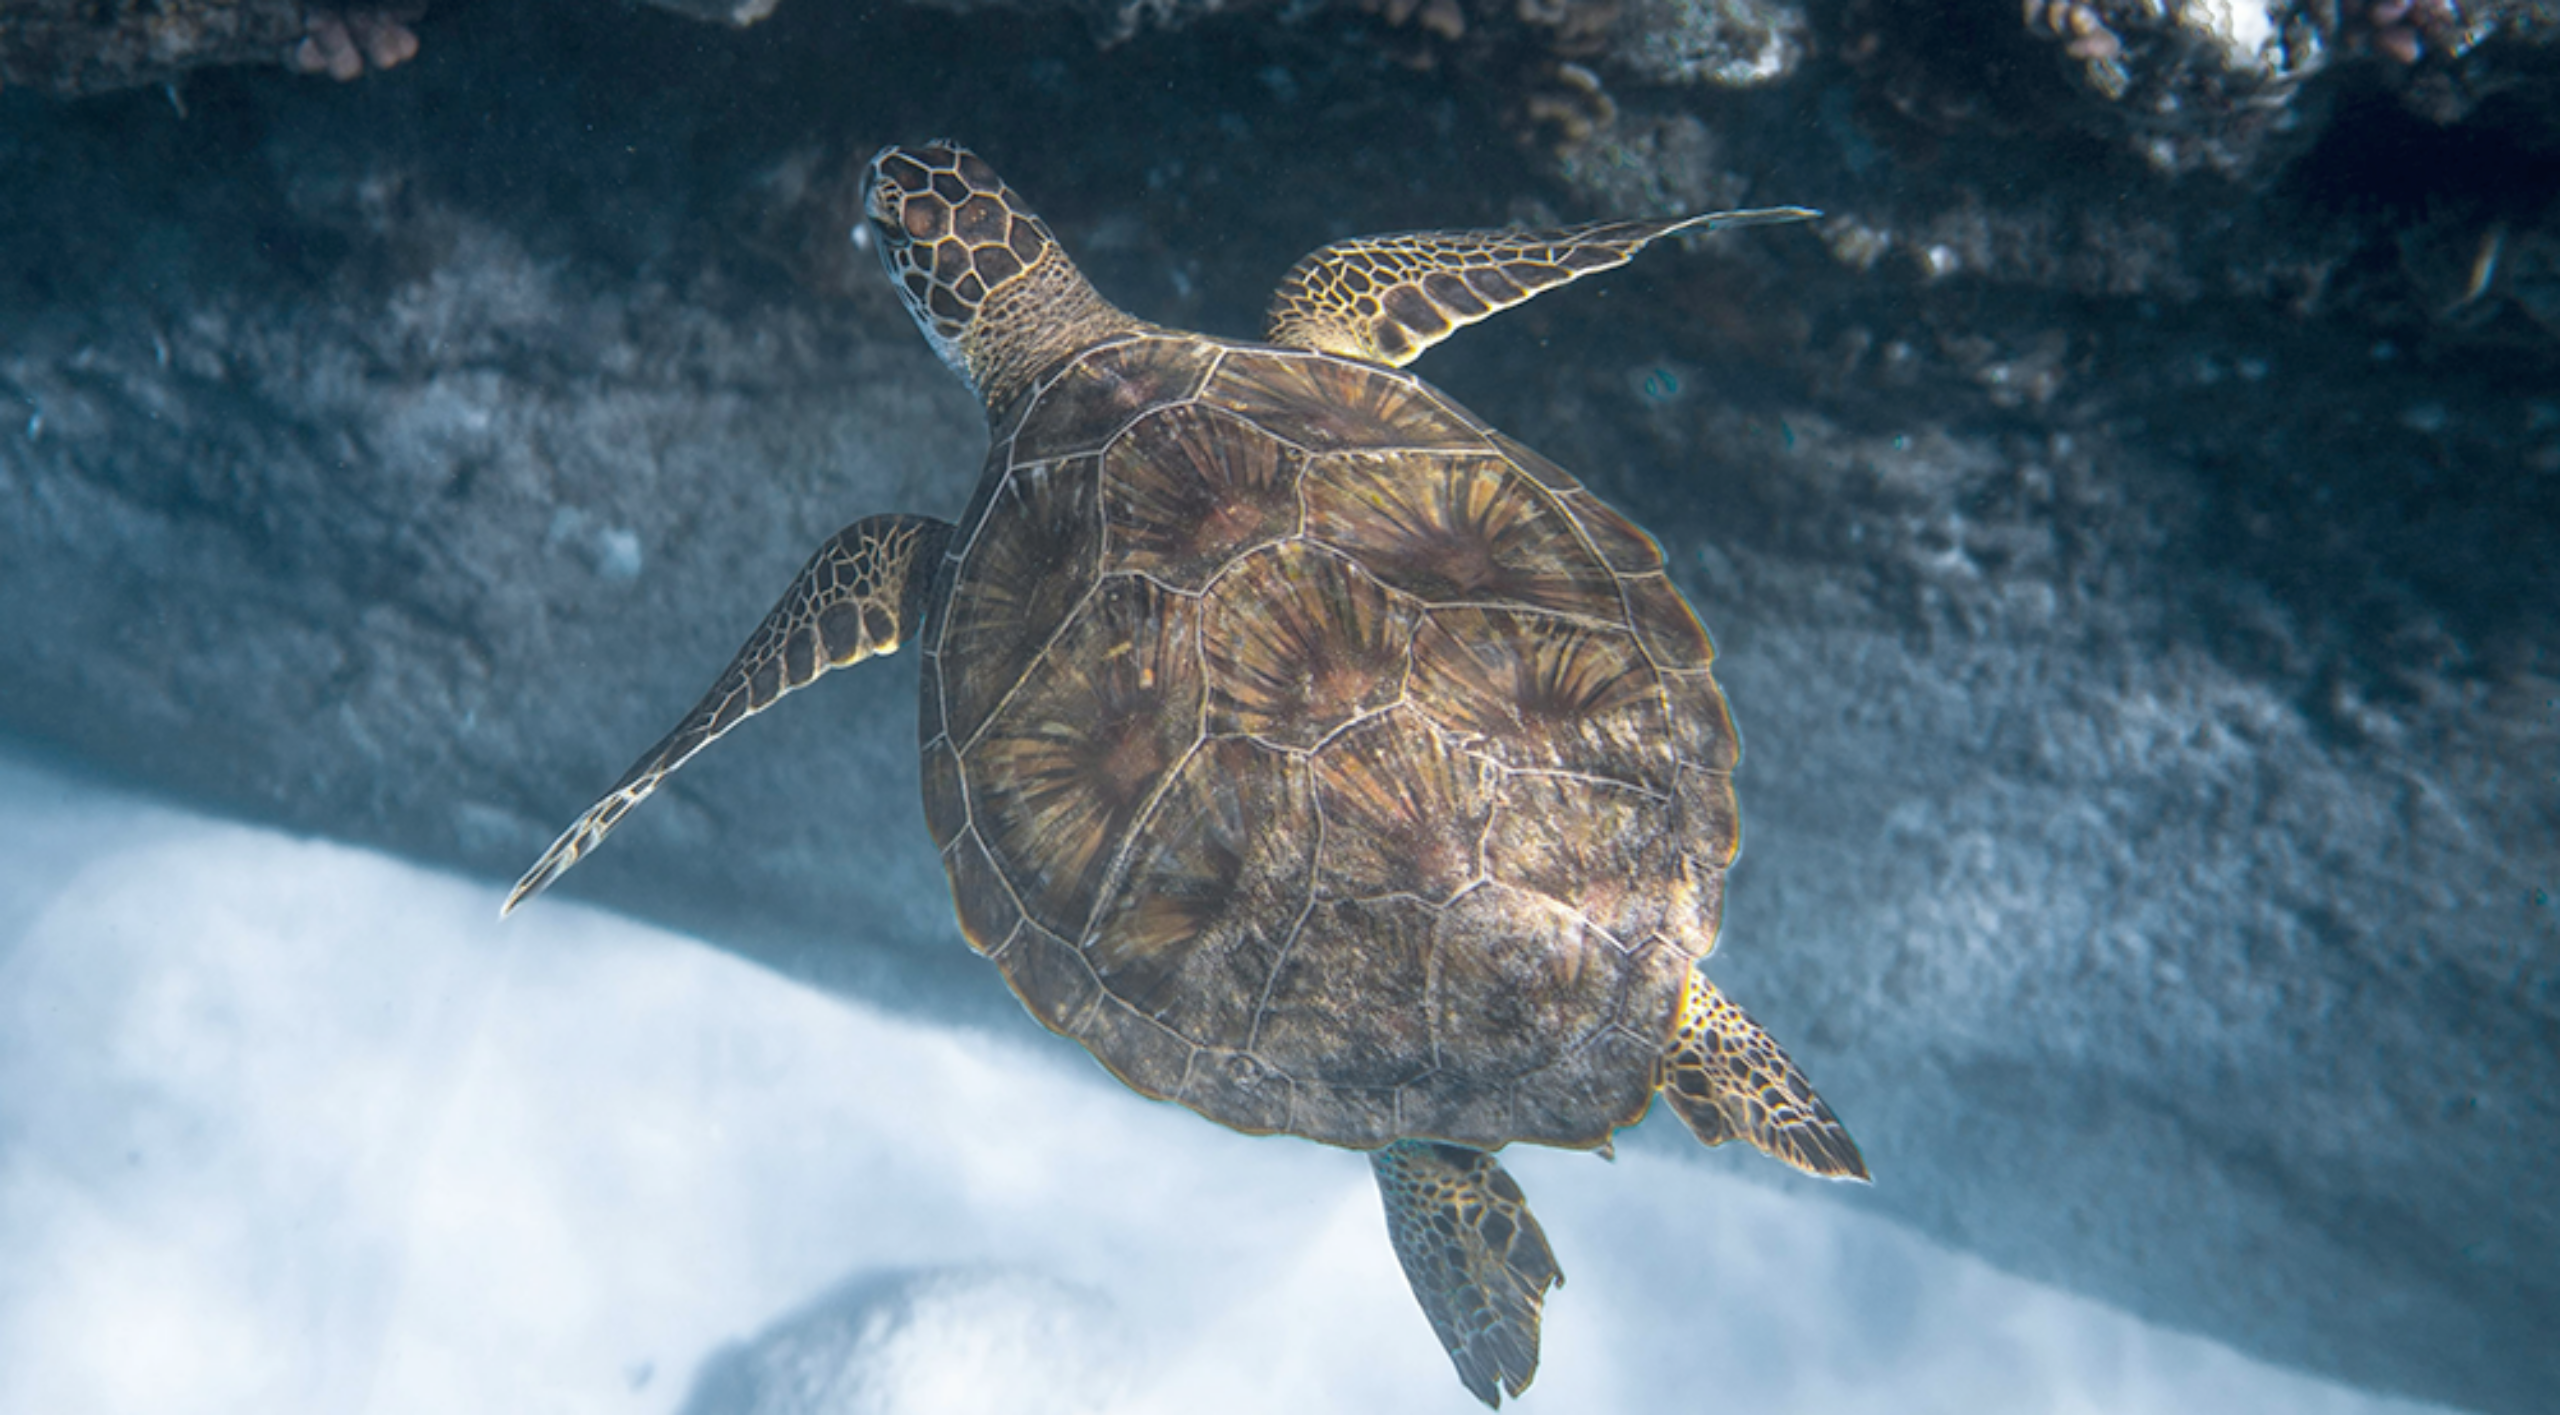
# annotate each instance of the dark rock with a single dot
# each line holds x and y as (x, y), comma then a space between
(2133, 579)
(74, 46)
(70, 47)
(727, 12)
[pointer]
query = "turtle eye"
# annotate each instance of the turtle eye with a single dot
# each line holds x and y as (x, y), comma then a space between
(891, 194)
(880, 209)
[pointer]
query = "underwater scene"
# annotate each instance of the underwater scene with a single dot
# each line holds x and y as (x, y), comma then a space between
(1977, 620)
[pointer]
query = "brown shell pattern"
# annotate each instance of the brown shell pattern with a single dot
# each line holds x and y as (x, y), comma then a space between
(1321, 758)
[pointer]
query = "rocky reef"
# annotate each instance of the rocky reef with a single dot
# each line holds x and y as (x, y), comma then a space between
(2128, 520)
(71, 47)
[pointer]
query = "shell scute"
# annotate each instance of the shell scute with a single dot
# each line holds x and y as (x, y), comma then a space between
(1603, 850)
(1651, 1001)
(1351, 1004)
(1668, 626)
(1217, 878)
(1051, 979)
(1455, 529)
(1089, 400)
(1298, 643)
(1186, 489)
(1239, 1091)
(989, 913)
(1404, 812)
(946, 799)
(1539, 693)
(1323, 403)
(1064, 768)
(1535, 463)
(1037, 552)
(1704, 818)
(1363, 1117)
(1454, 1106)
(1144, 1053)
(1603, 1083)
(1702, 731)
(1521, 980)
(1620, 542)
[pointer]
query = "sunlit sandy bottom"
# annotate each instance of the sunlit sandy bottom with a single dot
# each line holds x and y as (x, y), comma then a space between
(289, 1127)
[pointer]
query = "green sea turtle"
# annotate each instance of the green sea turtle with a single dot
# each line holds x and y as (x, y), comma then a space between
(1317, 756)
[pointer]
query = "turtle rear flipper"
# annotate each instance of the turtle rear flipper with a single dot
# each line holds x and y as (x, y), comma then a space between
(857, 598)
(1388, 298)
(1728, 1079)
(1476, 1258)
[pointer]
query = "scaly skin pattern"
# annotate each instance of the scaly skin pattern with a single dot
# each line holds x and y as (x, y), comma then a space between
(1729, 1080)
(991, 289)
(855, 599)
(1388, 298)
(1475, 1256)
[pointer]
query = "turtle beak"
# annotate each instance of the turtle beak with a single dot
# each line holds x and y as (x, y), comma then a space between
(883, 205)
(884, 222)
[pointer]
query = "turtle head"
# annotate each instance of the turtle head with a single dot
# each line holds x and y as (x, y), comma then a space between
(992, 290)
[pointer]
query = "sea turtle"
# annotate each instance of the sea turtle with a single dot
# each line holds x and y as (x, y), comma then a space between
(1316, 755)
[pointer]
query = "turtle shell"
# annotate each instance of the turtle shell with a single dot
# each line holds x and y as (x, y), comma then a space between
(1319, 757)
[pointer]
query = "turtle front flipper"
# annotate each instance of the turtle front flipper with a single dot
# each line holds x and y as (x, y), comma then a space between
(1476, 1258)
(857, 598)
(1388, 298)
(1728, 1079)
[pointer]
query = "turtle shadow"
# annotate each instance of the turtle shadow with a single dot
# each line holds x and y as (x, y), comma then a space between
(926, 1339)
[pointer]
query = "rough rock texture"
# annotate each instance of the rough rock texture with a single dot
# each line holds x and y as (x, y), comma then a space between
(66, 47)
(727, 12)
(72, 46)
(2134, 580)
